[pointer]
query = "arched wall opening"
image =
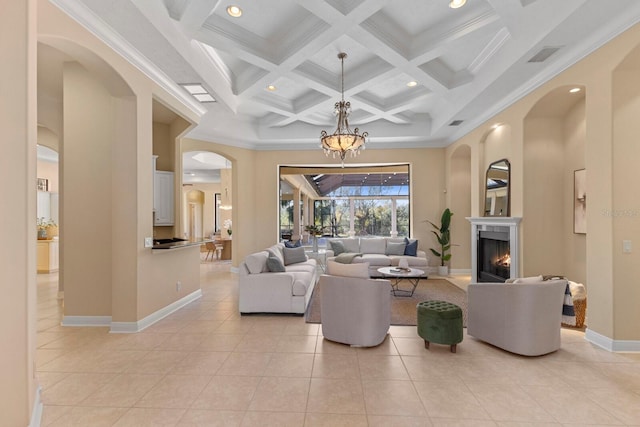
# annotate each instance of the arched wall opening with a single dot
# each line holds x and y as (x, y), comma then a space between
(554, 149)
(97, 154)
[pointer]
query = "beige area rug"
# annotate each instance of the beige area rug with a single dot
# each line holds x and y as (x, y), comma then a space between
(403, 309)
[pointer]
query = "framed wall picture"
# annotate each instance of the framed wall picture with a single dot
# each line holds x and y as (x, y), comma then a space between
(580, 201)
(216, 212)
(43, 184)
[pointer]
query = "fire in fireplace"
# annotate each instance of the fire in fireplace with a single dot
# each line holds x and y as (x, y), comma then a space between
(494, 260)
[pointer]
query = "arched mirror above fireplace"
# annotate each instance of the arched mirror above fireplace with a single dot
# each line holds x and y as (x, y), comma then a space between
(497, 193)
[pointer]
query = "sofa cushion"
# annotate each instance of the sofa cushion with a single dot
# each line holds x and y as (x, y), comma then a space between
(350, 244)
(373, 246)
(257, 263)
(395, 248)
(411, 247)
(348, 270)
(337, 247)
(275, 265)
(532, 279)
(373, 260)
(293, 255)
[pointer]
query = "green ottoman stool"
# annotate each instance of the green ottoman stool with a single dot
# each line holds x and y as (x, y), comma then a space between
(440, 322)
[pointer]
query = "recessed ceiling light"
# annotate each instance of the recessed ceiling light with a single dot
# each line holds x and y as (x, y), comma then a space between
(575, 90)
(234, 11)
(271, 88)
(496, 126)
(454, 4)
(412, 83)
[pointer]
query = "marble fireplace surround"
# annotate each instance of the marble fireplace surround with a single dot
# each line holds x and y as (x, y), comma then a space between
(499, 224)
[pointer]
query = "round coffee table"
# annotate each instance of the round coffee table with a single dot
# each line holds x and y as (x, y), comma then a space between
(413, 276)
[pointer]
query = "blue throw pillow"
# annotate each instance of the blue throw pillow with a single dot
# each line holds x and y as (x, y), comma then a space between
(290, 245)
(411, 248)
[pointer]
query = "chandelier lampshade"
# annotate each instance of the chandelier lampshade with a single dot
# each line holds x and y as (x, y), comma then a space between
(343, 140)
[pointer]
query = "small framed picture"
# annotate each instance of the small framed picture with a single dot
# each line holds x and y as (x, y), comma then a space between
(43, 184)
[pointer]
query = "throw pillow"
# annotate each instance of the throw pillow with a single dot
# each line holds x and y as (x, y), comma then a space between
(360, 270)
(257, 263)
(411, 248)
(337, 247)
(532, 279)
(294, 255)
(274, 265)
(395, 248)
(288, 244)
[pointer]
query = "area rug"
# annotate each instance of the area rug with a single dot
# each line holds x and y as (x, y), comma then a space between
(403, 309)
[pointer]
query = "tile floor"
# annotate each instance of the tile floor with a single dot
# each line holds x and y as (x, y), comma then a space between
(207, 366)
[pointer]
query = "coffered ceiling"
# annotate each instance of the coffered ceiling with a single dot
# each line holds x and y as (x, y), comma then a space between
(468, 63)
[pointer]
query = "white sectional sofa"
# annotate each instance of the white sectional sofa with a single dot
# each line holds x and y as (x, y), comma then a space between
(379, 252)
(264, 291)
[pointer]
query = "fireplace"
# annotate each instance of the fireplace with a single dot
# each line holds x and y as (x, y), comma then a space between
(494, 259)
(494, 248)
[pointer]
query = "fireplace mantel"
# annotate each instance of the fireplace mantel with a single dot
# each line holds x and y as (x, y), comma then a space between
(495, 223)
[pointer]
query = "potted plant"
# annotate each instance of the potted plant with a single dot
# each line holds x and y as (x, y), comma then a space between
(443, 235)
(314, 231)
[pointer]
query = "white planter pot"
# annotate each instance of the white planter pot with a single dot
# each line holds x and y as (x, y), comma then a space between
(443, 270)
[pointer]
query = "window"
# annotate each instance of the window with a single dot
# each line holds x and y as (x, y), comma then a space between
(351, 201)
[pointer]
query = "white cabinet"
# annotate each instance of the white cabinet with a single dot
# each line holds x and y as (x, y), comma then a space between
(163, 198)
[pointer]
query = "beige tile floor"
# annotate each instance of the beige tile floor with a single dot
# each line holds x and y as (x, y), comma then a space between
(207, 366)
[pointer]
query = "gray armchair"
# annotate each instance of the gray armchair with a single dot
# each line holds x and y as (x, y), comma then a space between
(523, 318)
(355, 311)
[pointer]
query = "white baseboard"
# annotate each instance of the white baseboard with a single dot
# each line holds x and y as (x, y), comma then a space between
(36, 414)
(86, 321)
(132, 327)
(611, 345)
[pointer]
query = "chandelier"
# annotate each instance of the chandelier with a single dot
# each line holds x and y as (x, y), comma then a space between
(342, 140)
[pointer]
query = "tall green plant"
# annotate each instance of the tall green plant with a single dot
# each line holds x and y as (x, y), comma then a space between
(443, 235)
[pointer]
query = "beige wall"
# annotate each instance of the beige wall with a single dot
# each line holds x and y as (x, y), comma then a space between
(459, 201)
(17, 188)
(625, 212)
(85, 203)
(575, 245)
(543, 214)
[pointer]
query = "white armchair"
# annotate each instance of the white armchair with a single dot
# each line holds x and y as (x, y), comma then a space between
(355, 311)
(523, 318)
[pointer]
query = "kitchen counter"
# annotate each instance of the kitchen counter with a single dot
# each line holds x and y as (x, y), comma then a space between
(177, 243)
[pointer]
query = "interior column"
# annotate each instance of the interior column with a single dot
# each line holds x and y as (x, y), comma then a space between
(18, 103)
